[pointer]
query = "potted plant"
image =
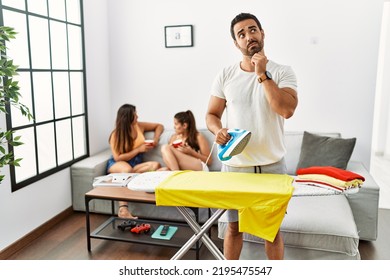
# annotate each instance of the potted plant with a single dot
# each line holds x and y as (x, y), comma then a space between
(9, 96)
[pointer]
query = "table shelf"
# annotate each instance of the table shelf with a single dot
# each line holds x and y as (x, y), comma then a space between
(109, 231)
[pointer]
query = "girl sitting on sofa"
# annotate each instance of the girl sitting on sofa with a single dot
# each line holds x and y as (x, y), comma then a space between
(187, 149)
(127, 142)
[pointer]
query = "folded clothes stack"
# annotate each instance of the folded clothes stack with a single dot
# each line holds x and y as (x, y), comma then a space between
(329, 177)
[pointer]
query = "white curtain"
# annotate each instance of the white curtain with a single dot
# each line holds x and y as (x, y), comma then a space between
(381, 128)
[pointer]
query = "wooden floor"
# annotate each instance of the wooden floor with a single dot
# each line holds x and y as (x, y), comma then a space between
(379, 249)
(68, 242)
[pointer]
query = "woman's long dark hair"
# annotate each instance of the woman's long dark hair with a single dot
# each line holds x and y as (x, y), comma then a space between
(124, 119)
(188, 118)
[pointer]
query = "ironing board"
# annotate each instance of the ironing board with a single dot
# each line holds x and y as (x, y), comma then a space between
(260, 197)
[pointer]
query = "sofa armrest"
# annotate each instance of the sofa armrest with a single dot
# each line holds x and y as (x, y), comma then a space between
(365, 203)
(82, 175)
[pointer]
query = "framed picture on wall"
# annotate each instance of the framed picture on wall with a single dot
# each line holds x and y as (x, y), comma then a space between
(178, 36)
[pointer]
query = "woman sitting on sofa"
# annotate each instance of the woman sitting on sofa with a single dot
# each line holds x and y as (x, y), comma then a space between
(187, 149)
(128, 144)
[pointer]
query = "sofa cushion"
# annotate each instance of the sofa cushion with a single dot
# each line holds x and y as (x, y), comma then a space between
(293, 141)
(318, 150)
(82, 176)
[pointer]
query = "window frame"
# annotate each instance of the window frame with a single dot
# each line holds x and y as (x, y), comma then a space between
(54, 120)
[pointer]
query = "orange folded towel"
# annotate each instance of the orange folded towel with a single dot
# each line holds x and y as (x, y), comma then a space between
(334, 172)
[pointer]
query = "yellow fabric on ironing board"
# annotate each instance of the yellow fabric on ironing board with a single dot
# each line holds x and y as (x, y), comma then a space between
(261, 199)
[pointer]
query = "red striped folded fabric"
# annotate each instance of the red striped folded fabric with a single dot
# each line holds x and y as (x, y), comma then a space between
(334, 172)
(320, 184)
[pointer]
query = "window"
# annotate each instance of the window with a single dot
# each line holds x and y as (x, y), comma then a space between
(50, 54)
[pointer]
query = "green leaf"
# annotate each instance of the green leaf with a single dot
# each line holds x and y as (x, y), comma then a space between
(15, 144)
(9, 96)
(16, 162)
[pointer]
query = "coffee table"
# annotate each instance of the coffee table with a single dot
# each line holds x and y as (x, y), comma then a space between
(109, 231)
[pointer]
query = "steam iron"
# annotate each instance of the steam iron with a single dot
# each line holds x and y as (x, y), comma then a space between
(237, 143)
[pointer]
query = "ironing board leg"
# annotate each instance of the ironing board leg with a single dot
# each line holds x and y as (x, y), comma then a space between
(197, 229)
(199, 233)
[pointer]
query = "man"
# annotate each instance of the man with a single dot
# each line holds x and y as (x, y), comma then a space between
(258, 94)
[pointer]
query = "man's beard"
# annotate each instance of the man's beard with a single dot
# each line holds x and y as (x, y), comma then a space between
(253, 50)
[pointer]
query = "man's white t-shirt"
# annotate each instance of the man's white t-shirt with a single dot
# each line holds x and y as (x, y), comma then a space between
(247, 108)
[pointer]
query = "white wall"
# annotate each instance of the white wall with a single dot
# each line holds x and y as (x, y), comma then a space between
(30, 207)
(332, 45)
(98, 73)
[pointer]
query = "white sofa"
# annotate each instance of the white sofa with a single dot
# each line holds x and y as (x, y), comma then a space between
(315, 227)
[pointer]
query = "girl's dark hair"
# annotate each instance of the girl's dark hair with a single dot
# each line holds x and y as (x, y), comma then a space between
(241, 17)
(188, 118)
(124, 119)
